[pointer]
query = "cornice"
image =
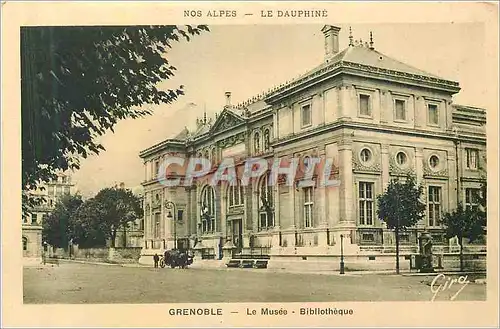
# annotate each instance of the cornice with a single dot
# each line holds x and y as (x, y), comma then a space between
(377, 128)
(359, 69)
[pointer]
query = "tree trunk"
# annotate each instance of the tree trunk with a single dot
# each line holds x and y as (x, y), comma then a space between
(113, 238)
(397, 249)
(124, 236)
(461, 243)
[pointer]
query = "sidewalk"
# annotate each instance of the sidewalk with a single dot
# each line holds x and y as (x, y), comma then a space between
(325, 272)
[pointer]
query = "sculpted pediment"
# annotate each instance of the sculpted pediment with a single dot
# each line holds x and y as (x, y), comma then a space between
(226, 120)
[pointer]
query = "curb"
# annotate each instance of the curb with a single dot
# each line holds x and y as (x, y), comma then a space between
(100, 263)
(224, 268)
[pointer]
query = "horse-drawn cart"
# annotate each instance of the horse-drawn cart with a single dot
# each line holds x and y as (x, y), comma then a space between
(176, 258)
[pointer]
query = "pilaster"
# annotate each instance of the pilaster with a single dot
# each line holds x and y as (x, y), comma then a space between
(347, 182)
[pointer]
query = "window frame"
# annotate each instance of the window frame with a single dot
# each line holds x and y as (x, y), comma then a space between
(437, 167)
(235, 195)
(431, 204)
(407, 159)
(469, 194)
(429, 123)
(308, 206)
(302, 106)
(263, 187)
(370, 107)
(363, 222)
(370, 152)
(208, 200)
(468, 152)
(405, 109)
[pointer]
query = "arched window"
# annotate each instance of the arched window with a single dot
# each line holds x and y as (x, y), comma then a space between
(235, 195)
(256, 142)
(208, 209)
(267, 139)
(266, 204)
(25, 243)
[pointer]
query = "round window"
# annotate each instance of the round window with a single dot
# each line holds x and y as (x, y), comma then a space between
(365, 155)
(401, 158)
(434, 162)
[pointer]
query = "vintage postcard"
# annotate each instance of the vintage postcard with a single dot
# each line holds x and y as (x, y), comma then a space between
(250, 164)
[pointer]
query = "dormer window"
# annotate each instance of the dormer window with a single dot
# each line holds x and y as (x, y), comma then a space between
(306, 115)
(364, 105)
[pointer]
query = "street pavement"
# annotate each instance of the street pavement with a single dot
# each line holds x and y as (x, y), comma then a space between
(88, 283)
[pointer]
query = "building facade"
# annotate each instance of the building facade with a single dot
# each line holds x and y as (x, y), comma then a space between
(48, 194)
(377, 119)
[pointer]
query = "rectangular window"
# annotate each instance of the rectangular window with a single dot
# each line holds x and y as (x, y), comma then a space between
(308, 207)
(156, 168)
(180, 213)
(58, 190)
(433, 114)
(472, 158)
(434, 205)
(471, 198)
(364, 105)
(400, 108)
(306, 115)
(50, 190)
(366, 203)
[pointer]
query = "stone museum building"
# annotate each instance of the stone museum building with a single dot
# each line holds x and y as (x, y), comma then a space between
(377, 118)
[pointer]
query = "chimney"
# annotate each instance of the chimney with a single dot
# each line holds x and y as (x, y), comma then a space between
(331, 40)
(228, 98)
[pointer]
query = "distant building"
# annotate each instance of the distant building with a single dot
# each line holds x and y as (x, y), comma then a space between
(48, 194)
(132, 236)
(376, 117)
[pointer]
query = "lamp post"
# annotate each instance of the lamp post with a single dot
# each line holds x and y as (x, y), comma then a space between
(341, 254)
(171, 205)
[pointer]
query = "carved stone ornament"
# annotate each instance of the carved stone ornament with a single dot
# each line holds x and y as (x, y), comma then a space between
(440, 171)
(232, 140)
(370, 166)
(396, 169)
(226, 121)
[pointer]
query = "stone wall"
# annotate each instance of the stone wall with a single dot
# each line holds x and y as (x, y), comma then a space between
(118, 255)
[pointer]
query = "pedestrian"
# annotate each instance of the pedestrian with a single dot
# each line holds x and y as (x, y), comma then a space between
(156, 258)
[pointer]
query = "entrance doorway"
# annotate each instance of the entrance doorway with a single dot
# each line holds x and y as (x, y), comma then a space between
(238, 234)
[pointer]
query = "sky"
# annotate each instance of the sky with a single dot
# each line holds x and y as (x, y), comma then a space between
(249, 59)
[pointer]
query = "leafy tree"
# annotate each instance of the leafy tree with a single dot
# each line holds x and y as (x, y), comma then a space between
(400, 207)
(463, 223)
(88, 229)
(77, 82)
(58, 225)
(119, 207)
